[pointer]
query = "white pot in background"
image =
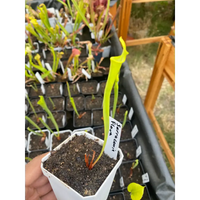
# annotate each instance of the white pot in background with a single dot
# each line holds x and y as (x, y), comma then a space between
(65, 192)
(47, 139)
(54, 133)
(37, 48)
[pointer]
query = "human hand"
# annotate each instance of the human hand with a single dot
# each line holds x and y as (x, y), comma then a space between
(37, 185)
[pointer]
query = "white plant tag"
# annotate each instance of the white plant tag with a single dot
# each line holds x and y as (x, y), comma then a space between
(47, 142)
(145, 178)
(69, 74)
(124, 99)
(49, 68)
(43, 118)
(121, 182)
(86, 74)
(78, 88)
(42, 88)
(39, 78)
(44, 54)
(63, 120)
(43, 65)
(61, 89)
(24, 93)
(134, 131)
(130, 114)
(92, 35)
(138, 151)
(98, 86)
(93, 66)
(114, 134)
(26, 107)
(62, 67)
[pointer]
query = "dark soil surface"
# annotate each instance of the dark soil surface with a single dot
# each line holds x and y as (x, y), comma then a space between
(33, 118)
(36, 143)
(79, 102)
(129, 150)
(58, 116)
(116, 197)
(35, 105)
(126, 132)
(68, 164)
(85, 121)
(119, 101)
(73, 90)
(116, 184)
(33, 93)
(58, 101)
(89, 87)
(125, 172)
(93, 103)
(99, 132)
(82, 59)
(56, 142)
(119, 115)
(100, 73)
(97, 117)
(52, 90)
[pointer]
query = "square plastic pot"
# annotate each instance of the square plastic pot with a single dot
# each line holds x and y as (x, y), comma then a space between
(64, 192)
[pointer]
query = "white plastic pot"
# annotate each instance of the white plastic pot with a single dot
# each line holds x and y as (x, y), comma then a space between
(64, 192)
(36, 50)
(106, 51)
(84, 129)
(47, 139)
(54, 133)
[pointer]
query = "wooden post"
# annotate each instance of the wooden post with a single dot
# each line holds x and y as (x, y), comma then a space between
(124, 17)
(112, 11)
(164, 67)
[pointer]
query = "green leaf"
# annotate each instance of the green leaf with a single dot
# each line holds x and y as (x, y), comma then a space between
(136, 191)
(42, 103)
(33, 123)
(115, 65)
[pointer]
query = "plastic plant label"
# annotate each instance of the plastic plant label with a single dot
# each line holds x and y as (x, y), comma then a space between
(63, 120)
(121, 182)
(44, 54)
(43, 65)
(43, 118)
(69, 74)
(93, 66)
(98, 86)
(86, 74)
(78, 88)
(114, 134)
(39, 78)
(138, 151)
(92, 35)
(26, 107)
(61, 89)
(130, 114)
(24, 93)
(134, 131)
(49, 68)
(62, 67)
(145, 178)
(124, 99)
(42, 88)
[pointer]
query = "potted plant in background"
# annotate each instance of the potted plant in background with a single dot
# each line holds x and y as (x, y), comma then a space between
(97, 20)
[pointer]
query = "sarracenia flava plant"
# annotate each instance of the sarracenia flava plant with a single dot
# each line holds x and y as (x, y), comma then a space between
(115, 65)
